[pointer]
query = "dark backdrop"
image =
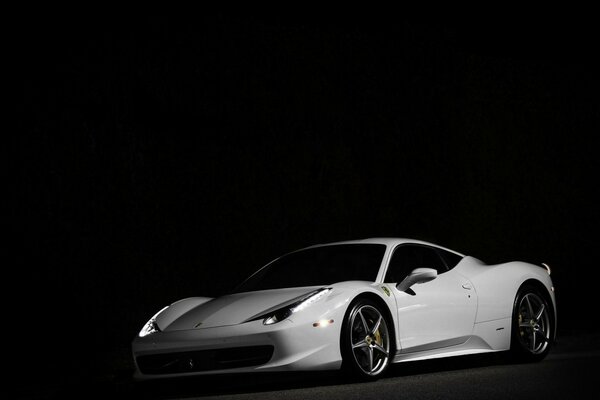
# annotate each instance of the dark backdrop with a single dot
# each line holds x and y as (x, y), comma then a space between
(158, 159)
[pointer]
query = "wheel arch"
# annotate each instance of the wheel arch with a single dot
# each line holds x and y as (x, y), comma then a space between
(385, 309)
(543, 290)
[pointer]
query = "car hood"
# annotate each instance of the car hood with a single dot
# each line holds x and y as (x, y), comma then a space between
(234, 309)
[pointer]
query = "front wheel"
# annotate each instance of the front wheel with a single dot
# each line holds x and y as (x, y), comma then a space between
(533, 326)
(366, 340)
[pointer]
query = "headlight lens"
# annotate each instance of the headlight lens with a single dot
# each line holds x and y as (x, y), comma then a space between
(284, 312)
(151, 326)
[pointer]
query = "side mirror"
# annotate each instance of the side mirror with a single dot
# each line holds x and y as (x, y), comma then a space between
(418, 275)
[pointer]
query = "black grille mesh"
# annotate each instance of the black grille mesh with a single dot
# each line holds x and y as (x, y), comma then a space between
(204, 360)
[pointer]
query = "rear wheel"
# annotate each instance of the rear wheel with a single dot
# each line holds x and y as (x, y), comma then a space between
(366, 340)
(533, 325)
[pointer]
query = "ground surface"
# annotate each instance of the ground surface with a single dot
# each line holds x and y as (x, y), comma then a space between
(567, 371)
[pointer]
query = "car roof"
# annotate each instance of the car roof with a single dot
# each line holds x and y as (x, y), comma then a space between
(388, 241)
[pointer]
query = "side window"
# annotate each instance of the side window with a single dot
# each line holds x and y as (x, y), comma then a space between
(451, 259)
(407, 257)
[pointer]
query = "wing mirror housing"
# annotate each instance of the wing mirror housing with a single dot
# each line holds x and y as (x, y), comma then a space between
(418, 275)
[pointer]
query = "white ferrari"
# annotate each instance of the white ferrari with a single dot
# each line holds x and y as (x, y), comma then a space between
(357, 305)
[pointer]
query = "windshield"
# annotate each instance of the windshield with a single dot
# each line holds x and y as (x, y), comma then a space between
(318, 266)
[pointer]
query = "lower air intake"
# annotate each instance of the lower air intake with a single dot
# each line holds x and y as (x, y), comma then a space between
(204, 360)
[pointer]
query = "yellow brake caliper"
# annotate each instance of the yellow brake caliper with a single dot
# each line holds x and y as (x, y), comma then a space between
(378, 339)
(521, 332)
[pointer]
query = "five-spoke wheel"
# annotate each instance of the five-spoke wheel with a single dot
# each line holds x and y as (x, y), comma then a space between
(366, 342)
(533, 327)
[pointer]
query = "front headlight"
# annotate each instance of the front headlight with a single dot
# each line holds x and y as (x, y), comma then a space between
(284, 312)
(151, 326)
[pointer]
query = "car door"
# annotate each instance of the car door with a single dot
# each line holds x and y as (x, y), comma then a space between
(434, 314)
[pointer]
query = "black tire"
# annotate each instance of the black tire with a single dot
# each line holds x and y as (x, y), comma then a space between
(532, 325)
(367, 340)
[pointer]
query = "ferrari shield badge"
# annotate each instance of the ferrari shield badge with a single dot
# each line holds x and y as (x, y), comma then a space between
(385, 290)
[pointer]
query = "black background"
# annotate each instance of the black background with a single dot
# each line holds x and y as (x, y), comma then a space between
(163, 158)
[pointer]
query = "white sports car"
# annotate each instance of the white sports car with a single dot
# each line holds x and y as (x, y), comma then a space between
(358, 305)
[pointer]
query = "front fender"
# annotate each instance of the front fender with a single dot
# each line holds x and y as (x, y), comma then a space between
(344, 293)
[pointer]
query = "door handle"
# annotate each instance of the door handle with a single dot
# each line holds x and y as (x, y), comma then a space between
(467, 286)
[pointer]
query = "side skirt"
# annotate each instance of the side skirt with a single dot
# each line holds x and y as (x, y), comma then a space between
(472, 345)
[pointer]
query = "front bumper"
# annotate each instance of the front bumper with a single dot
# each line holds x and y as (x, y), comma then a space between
(248, 347)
